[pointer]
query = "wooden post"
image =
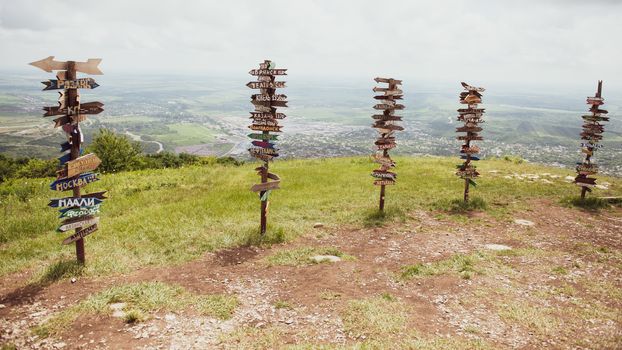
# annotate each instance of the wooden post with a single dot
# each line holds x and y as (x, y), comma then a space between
(76, 138)
(264, 204)
(382, 188)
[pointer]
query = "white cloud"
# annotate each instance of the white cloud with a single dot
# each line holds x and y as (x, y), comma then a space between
(538, 42)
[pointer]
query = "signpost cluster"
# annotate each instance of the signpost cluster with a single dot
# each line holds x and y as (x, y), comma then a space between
(265, 119)
(591, 135)
(75, 170)
(471, 117)
(386, 126)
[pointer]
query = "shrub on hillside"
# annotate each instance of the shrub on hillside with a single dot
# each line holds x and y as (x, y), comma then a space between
(117, 152)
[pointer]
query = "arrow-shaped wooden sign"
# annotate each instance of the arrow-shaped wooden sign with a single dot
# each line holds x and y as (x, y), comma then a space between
(68, 184)
(258, 150)
(70, 224)
(471, 110)
(263, 137)
(388, 91)
(263, 144)
(88, 67)
(384, 182)
(80, 234)
(86, 200)
(266, 97)
(269, 103)
(266, 84)
(384, 117)
(268, 72)
(388, 97)
(85, 163)
(82, 83)
(265, 128)
(382, 125)
(388, 80)
(263, 115)
(77, 212)
(389, 106)
(271, 185)
(472, 88)
(84, 108)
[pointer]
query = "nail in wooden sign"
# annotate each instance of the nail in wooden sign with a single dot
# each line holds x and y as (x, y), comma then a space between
(68, 184)
(271, 185)
(80, 234)
(85, 163)
(73, 223)
(77, 212)
(83, 83)
(266, 84)
(263, 137)
(268, 72)
(87, 200)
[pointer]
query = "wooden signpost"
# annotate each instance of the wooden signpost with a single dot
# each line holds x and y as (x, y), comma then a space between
(265, 120)
(75, 170)
(471, 117)
(592, 134)
(385, 125)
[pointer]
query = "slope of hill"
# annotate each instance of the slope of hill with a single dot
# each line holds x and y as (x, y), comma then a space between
(178, 250)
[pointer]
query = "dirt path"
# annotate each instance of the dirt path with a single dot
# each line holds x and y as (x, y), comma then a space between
(558, 287)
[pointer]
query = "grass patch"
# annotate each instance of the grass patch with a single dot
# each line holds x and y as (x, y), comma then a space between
(302, 256)
(329, 295)
(374, 317)
(588, 203)
(535, 318)
(459, 206)
(162, 217)
(377, 218)
(253, 338)
(141, 299)
(282, 304)
(464, 265)
(59, 270)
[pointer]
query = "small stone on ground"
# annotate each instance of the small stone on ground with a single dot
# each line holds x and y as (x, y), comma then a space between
(524, 222)
(318, 225)
(322, 258)
(497, 247)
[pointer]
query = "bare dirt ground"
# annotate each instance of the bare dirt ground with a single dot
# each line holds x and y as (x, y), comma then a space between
(558, 287)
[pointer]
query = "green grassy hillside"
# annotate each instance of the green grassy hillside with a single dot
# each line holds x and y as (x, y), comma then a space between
(159, 217)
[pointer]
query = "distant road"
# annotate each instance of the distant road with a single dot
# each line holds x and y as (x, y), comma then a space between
(139, 138)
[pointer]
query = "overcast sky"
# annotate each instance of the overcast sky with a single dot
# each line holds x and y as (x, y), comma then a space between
(571, 42)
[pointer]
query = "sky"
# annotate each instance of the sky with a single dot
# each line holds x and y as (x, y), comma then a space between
(539, 43)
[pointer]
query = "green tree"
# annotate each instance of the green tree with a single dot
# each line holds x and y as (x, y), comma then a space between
(117, 152)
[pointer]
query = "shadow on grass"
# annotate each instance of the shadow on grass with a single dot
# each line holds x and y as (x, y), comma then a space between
(376, 218)
(272, 236)
(591, 204)
(55, 272)
(459, 206)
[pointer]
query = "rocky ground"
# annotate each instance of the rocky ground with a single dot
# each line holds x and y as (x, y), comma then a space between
(548, 277)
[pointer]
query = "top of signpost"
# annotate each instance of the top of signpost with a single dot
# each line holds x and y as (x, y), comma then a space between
(88, 67)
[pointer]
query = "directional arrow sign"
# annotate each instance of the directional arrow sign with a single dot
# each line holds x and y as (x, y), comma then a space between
(80, 234)
(471, 157)
(77, 212)
(388, 97)
(384, 182)
(266, 97)
(388, 106)
(266, 84)
(85, 163)
(88, 67)
(263, 137)
(262, 115)
(67, 184)
(269, 103)
(263, 144)
(388, 80)
(265, 128)
(87, 200)
(386, 117)
(268, 72)
(83, 83)
(72, 223)
(84, 108)
(65, 146)
(472, 88)
(259, 150)
(271, 185)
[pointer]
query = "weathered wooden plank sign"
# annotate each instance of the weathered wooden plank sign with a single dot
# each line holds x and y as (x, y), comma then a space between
(265, 118)
(84, 83)
(592, 132)
(76, 223)
(85, 163)
(80, 234)
(385, 125)
(75, 169)
(471, 117)
(71, 183)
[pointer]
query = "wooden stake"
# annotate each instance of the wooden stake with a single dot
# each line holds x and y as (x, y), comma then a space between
(72, 101)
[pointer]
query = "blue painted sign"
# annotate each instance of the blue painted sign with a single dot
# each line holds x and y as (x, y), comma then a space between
(87, 200)
(68, 184)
